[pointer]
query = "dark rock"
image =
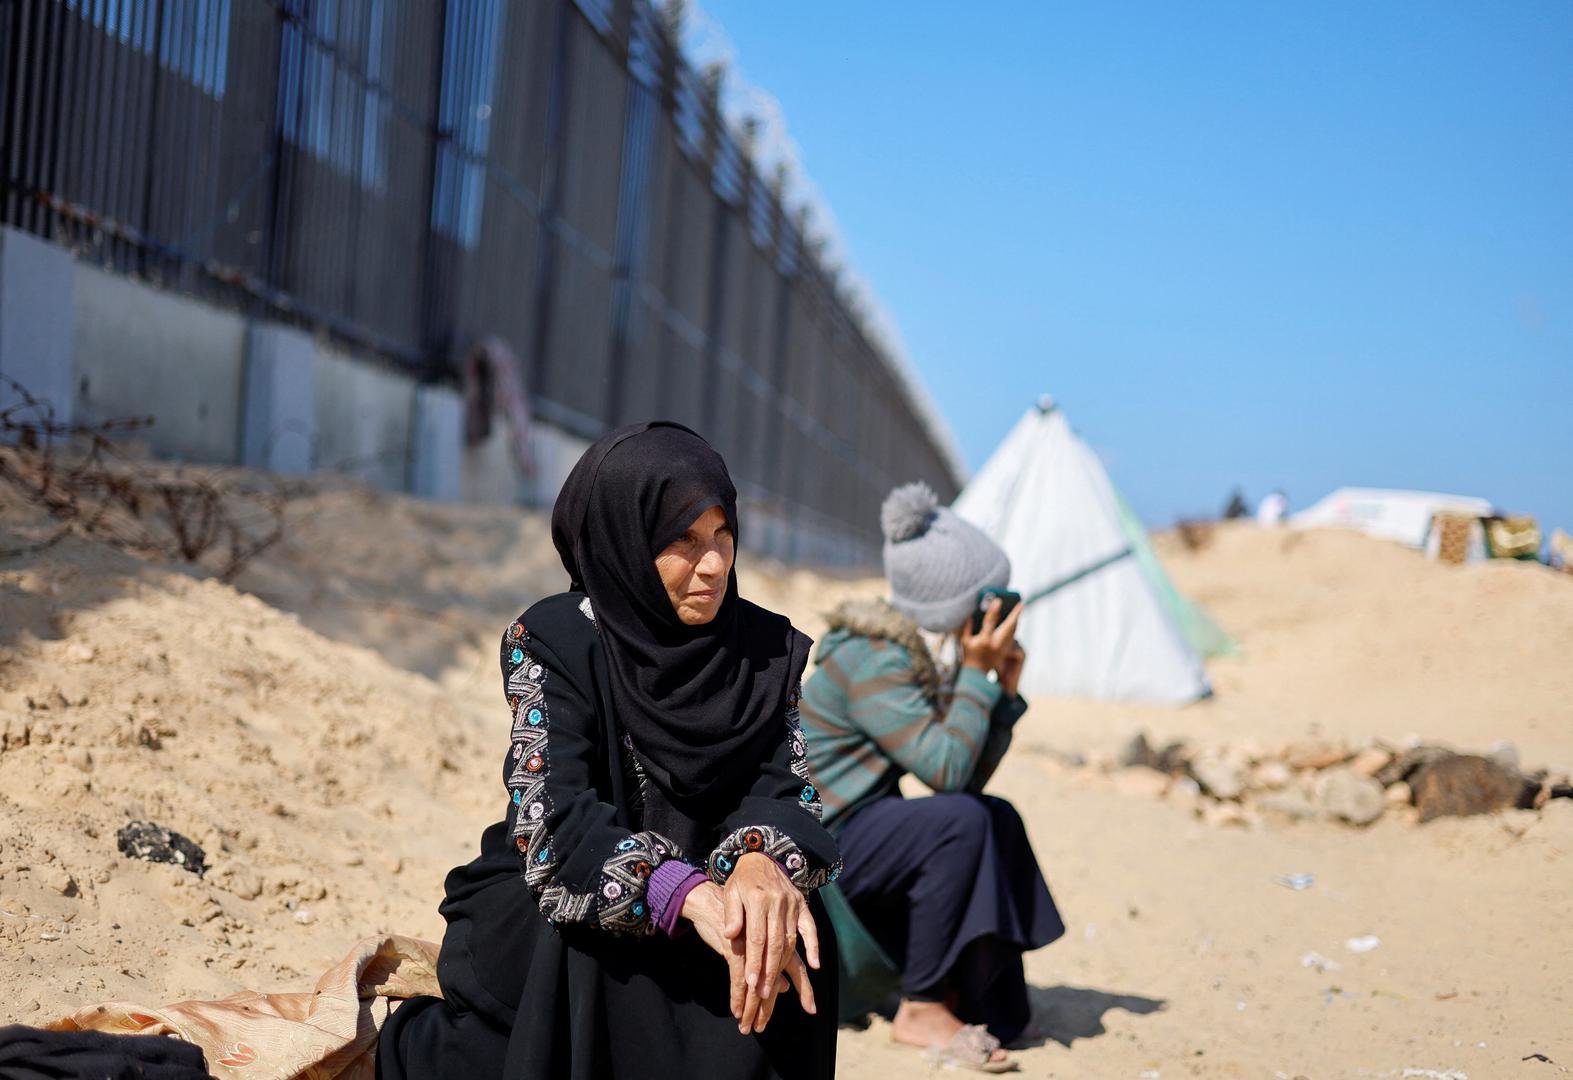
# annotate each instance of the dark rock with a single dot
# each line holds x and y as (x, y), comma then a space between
(1411, 761)
(1139, 753)
(1463, 784)
(145, 840)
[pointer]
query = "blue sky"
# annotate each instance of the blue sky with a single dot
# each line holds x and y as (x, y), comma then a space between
(1277, 245)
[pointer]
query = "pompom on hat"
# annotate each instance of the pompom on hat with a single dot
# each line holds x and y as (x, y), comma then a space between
(935, 562)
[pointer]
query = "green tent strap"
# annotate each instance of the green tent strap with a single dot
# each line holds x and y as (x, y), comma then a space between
(1203, 635)
(1087, 571)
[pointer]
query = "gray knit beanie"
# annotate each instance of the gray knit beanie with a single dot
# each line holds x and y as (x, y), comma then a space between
(935, 562)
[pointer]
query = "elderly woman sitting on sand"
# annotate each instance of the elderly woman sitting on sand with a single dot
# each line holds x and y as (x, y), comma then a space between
(657, 785)
(947, 885)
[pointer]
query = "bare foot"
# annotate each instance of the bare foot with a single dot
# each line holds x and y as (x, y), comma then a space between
(928, 1023)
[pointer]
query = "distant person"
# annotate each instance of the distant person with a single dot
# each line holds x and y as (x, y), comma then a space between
(1273, 510)
(948, 884)
(640, 906)
(1236, 507)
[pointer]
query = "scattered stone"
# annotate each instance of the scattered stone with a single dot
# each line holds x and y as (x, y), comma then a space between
(1314, 754)
(1400, 794)
(241, 883)
(304, 917)
(80, 652)
(1371, 760)
(1465, 784)
(1218, 814)
(1345, 794)
(1505, 754)
(1291, 804)
(154, 843)
(1219, 777)
(56, 878)
(1271, 775)
(1252, 749)
(1184, 794)
(1141, 782)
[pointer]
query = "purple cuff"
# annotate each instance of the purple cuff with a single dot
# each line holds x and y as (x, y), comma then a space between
(668, 886)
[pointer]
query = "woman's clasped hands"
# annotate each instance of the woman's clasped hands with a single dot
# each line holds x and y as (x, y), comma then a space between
(754, 923)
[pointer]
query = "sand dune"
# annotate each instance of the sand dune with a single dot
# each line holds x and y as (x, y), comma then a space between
(329, 730)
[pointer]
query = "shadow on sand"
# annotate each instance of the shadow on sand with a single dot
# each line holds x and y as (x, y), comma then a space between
(1064, 1014)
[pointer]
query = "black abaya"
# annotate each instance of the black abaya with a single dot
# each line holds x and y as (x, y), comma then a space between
(538, 984)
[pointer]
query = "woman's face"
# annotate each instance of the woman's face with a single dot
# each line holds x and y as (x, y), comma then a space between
(694, 568)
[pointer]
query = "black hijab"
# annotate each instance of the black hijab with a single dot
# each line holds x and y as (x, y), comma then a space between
(700, 702)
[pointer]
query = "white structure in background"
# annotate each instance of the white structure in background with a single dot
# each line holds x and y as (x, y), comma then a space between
(1404, 516)
(1272, 510)
(1102, 619)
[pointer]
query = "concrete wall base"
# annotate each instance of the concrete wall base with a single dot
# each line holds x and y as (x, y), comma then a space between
(278, 413)
(37, 297)
(437, 444)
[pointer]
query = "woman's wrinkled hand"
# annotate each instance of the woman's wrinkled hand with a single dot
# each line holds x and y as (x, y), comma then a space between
(705, 908)
(765, 910)
(754, 924)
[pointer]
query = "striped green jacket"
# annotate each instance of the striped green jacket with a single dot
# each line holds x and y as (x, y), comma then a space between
(875, 709)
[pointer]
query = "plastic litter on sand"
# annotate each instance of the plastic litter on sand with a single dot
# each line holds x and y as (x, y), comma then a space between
(1316, 960)
(1297, 882)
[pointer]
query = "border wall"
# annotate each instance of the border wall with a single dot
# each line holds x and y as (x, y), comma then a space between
(286, 225)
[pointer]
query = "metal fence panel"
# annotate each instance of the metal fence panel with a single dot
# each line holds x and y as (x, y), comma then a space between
(410, 175)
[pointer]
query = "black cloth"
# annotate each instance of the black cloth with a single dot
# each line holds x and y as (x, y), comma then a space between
(950, 888)
(699, 701)
(28, 1053)
(524, 998)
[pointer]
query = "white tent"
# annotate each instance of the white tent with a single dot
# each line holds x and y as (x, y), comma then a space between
(1102, 619)
(1404, 516)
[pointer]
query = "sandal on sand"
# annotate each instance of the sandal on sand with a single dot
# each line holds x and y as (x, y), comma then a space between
(972, 1048)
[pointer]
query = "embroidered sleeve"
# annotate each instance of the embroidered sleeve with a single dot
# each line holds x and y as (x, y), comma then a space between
(771, 841)
(581, 867)
(781, 818)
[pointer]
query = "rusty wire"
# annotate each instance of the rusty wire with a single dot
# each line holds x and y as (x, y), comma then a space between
(81, 476)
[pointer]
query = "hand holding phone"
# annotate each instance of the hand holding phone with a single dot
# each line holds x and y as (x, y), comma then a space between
(1008, 601)
(985, 648)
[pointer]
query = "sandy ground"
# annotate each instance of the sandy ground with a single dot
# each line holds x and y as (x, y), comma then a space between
(328, 729)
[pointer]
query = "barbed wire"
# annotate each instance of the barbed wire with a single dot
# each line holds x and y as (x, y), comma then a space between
(80, 476)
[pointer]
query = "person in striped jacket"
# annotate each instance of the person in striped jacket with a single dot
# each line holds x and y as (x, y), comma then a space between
(948, 884)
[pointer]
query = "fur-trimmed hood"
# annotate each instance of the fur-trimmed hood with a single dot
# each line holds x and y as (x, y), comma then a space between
(877, 619)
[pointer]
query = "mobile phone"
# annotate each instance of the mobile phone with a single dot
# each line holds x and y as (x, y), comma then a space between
(1007, 599)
